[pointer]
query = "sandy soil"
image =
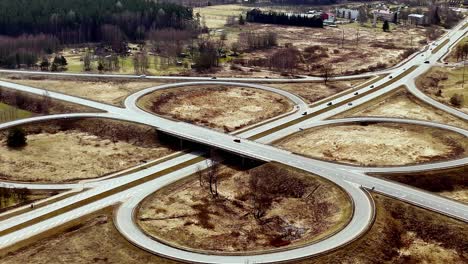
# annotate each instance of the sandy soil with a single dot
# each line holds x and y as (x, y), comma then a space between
(111, 91)
(441, 83)
(186, 215)
(377, 144)
(223, 108)
(70, 156)
(315, 91)
(95, 240)
(403, 104)
(403, 233)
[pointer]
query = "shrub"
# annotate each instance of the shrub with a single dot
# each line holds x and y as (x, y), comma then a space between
(16, 138)
(457, 100)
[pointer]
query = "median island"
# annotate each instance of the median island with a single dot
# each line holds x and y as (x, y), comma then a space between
(224, 108)
(266, 208)
(377, 144)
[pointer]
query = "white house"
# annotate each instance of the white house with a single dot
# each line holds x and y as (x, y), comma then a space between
(347, 13)
(416, 19)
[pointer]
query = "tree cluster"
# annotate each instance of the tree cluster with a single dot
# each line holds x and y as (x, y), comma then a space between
(74, 21)
(258, 16)
(252, 40)
(7, 194)
(269, 182)
(462, 51)
(25, 49)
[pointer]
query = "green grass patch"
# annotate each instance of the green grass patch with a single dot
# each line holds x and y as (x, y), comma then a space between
(10, 113)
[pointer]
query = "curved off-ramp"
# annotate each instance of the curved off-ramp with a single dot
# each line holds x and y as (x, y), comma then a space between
(360, 222)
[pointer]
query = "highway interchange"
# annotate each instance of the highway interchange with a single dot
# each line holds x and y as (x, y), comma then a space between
(130, 188)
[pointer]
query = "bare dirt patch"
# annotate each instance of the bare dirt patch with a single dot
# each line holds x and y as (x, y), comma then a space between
(451, 183)
(403, 233)
(315, 91)
(402, 104)
(223, 108)
(94, 240)
(108, 91)
(75, 150)
(445, 85)
(377, 144)
(288, 208)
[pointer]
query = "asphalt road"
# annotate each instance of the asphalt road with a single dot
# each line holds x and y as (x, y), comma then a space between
(350, 178)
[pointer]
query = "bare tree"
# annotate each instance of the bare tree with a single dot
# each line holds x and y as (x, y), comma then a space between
(326, 71)
(212, 174)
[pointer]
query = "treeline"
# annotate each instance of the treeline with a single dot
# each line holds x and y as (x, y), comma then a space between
(73, 21)
(257, 16)
(25, 49)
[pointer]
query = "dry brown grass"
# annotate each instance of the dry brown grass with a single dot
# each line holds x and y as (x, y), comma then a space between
(377, 144)
(108, 91)
(443, 83)
(94, 240)
(403, 233)
(376, 49)
(452, 183)
(68, 151)
(302, 208)
(223, 108)
(402, 104)
(315, 91)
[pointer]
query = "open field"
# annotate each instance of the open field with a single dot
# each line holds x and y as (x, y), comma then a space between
(451, 183)
(443, 83)
(106, 91)
(375, 49)
(72, 151)
(402, 104)
(403, 233)
(349, 48)
(377, 144)
(315, 91)
(75, 64)
(303, 209)
(92, 240)
(224, 108)
(10, 113)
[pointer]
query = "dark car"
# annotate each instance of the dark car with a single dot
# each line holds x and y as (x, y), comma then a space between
(356, 93)
(330, 103)
(237, 140)
(427, 62)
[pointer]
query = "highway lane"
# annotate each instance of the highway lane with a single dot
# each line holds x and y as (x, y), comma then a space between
(362, 218)
(388, 169)
(267, 153)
